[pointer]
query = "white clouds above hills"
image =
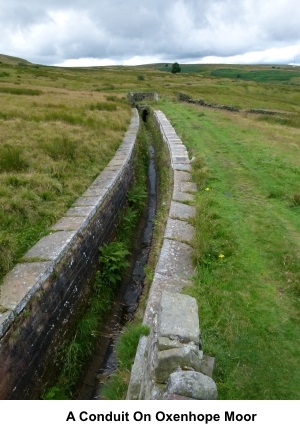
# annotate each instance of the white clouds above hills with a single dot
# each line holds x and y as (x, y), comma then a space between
(100, 32)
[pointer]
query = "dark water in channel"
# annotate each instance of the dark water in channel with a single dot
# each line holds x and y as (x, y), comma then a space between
(104, 361)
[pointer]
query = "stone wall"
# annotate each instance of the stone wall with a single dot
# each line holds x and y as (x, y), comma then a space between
(135, 97)
(170, 363)
(188, 99)
(40, 297)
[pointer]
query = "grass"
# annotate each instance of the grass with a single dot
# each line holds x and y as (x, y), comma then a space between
(246, 249)
(116, 386)
(51, 148)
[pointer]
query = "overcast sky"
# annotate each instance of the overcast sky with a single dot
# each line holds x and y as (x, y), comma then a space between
(102, 32)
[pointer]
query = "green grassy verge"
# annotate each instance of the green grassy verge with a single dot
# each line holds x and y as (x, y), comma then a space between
(246, 249)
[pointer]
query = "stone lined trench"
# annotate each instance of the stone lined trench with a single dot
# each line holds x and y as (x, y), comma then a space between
(103, 362)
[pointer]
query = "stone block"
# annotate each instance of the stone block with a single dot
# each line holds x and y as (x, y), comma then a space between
(182, 197)
(178, 318)
(81, 211)
(180, 175)
(165, 343)
(181, 211)
(159, 284)
(137, 371)
(6, 318)
(88, 201)
(192, 384)
(70, 223)
(207, 365)
(20, 284)
(52, 247)
(186, 187)
(175, 260)
(186, 167)
(179, 230)
(168, 361)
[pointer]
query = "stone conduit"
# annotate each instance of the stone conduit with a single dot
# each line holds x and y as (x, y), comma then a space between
(169, 363)
(40, 296)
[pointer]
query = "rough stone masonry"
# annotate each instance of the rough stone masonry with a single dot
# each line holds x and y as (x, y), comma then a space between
(170, 363)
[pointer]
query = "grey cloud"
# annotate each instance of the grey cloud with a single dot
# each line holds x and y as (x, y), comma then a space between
(168, 29)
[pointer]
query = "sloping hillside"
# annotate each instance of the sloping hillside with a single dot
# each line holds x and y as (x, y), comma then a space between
(7, 59)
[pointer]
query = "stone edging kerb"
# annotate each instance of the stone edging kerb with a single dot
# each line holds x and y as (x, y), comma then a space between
(159, 369)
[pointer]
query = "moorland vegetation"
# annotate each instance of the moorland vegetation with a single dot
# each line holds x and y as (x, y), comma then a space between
(60, 127)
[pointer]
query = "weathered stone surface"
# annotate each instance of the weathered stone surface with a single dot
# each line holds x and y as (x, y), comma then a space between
(182, 197)
(52, 247)
(21, 283)
(186, 187)
(182, 176)
(181, 166)
(159, 284)
(181, 159)
(137, 371)
(96, 191)
(88, 201)
(192, 384)
(6, 318)
(169, 396)
(175, 260)
(69, 223)
(207, 365)
(81, 211)
(170, 360)
(182, 211)
(178, 318)
(165, 343)
(179, 230)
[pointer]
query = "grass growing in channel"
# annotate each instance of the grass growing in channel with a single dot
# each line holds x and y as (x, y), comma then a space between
(116, 387)
(113, 261)
(246, 249)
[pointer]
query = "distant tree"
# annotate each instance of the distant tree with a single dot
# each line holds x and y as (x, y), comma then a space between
(166, 65)
(176, 68)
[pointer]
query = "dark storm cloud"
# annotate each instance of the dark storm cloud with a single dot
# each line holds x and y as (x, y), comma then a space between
(54, 31)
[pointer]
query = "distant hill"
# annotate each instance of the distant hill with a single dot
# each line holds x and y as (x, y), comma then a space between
(7, 59)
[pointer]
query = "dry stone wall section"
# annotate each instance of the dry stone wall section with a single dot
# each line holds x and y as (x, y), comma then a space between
(170, 363)
(40, 297)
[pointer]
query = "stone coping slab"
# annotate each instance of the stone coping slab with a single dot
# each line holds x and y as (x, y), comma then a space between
(21, 283)
(71, 223)
(182, 176)
(182, 197)
(179, 230)
(88, 201)
(85, 211)
(52, 247)
(174, 320)
(181, 211)
(159, 284)
(175, 260)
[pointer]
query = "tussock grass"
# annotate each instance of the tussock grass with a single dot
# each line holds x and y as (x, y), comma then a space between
(20, 91)
(51, 148)
(104, 106)
(12, 159)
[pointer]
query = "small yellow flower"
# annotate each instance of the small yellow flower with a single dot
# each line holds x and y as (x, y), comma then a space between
(221, 255)
(207, 189)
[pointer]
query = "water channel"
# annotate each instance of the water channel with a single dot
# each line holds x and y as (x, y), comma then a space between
(103, 362)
